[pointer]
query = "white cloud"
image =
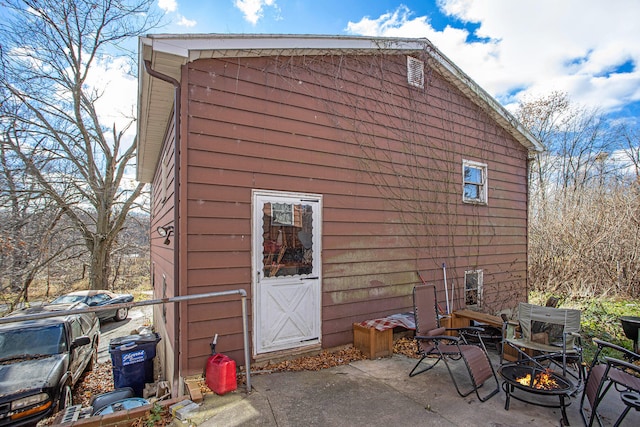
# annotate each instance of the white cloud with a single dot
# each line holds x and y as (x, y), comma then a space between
(534, 46)
(168, 5)
(180, 20)
(118, 89)
(253, 9)
(184, 22)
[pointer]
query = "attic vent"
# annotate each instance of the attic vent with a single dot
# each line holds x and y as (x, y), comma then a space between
(415, 72)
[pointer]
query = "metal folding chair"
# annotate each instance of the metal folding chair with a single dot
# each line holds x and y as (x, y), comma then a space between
(606, 373)
(548, 335)
(435, 346)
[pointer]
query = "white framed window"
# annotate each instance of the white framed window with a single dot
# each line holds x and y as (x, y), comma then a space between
(474, 182)
(473, 288)
(415, 72)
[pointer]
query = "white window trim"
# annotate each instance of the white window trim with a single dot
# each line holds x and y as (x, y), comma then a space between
(484, 185)
(480, 285)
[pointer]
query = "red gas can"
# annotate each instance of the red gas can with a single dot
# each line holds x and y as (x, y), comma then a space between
(221, 374)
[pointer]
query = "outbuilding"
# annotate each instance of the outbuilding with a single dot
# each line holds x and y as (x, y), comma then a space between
(326, 176)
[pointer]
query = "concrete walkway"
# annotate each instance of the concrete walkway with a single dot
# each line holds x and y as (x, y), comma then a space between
(379, 393)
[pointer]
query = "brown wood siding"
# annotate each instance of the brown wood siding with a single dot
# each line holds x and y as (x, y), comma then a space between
(162, 257)
(387, 159)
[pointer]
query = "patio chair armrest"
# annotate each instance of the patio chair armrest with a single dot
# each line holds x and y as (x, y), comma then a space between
(626, 352)
(576, 335)
(623, 365)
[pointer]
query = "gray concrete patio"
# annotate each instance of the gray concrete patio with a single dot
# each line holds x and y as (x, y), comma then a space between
(379, 393)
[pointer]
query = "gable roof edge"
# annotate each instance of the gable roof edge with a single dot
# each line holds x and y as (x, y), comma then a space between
(167, 54)
(484, 100)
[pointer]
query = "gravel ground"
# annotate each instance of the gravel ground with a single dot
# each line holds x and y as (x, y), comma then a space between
(138, 318)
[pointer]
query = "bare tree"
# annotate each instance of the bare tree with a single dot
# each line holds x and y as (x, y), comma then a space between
(578, 144)
(584, 236)
(50, 49)
(631, 148)
(543, 118)
(31, 226)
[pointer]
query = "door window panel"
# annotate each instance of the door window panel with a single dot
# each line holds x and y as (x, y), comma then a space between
(287, 231)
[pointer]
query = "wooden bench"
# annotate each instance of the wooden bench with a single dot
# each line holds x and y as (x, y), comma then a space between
(462, 318)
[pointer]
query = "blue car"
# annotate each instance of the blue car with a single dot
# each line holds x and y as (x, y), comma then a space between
(99, 298)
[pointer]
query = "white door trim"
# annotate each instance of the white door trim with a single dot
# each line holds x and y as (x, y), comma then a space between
(302, 292)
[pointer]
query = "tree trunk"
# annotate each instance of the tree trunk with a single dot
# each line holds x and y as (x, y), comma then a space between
(100, 263)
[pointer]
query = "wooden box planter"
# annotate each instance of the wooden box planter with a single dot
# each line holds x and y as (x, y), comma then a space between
(510, 354)
(372, 342)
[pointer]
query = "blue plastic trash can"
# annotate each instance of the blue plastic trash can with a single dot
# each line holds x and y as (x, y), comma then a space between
(132, 359)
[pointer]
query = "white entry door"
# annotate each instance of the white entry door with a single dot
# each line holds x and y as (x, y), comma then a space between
(286, 270)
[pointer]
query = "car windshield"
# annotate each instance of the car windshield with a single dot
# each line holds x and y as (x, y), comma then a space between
(68, 299)
(44, 340)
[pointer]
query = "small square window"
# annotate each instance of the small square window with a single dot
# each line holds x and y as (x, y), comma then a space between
(473, 288)
(474, 182)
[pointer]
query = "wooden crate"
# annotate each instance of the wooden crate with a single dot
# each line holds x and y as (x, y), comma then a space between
(372, 342)
(509, 353)
(448, 322)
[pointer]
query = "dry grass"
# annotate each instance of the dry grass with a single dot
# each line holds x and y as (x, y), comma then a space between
(134, 280)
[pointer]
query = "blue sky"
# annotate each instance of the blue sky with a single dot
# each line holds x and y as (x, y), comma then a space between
(513, 48)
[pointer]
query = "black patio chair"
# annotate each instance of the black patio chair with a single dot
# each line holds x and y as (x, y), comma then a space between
(435, 346)
(607, 373)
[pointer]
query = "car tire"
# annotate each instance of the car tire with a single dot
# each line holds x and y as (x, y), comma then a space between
(121, 314)
(66, 397)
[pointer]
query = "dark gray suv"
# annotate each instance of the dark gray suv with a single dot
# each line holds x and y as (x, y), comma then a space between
(41, 360)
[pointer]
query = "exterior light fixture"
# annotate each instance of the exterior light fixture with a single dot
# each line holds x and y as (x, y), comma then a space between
(165, 231)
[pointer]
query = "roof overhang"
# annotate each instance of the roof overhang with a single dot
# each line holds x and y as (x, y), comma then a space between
(167, 53)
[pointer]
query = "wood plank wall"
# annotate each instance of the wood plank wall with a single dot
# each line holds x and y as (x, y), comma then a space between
(387, 158)
(162, 269)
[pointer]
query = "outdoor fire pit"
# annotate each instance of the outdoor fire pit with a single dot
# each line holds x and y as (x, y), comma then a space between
(545, 383)
(630, 326)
